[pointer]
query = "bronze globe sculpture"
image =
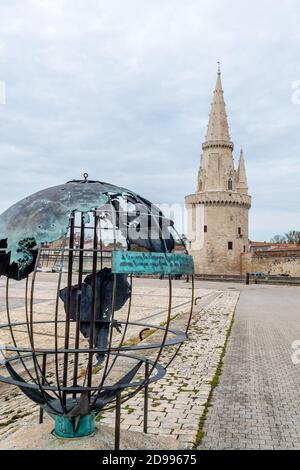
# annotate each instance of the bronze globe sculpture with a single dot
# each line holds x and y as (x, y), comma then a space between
(95, 239)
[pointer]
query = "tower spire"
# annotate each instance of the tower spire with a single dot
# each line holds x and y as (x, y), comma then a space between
(241, 180)
(217, 212)
(218, 129)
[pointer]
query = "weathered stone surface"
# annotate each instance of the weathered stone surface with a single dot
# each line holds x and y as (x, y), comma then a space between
(176, 402)
(256, 404)
(272, 262)
(39, 437)
(218, 210)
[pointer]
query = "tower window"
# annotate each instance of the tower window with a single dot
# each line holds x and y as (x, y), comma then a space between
(239, 231)
(230, 184)
(244, 248)
(230, 245)
(205, 228)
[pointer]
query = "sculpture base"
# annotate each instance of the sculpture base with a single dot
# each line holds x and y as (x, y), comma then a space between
(32, 436)
(68, 428)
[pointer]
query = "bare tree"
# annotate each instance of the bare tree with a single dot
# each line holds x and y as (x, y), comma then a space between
(293, 236)
(278, 239)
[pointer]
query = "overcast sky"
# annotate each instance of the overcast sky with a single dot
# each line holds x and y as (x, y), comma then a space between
(122, 90)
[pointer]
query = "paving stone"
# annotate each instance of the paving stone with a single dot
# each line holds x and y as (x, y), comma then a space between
(182, 413)
(256, 402)
(175, 403)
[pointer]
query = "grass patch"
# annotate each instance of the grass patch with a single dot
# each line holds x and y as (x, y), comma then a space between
(99, 416)
(147, 333)
(15, 418)
(214, 383)
(129, 409)
(97, 369)
(164, 323)
(136, 339)
(155, 404)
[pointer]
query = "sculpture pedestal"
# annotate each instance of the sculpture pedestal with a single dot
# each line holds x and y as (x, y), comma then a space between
(39, 437)
(65, 427)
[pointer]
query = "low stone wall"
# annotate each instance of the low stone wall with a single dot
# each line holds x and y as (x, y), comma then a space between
(272, 262)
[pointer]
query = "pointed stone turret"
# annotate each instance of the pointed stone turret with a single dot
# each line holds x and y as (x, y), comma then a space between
(217, 167)
(241, 178)
(218, 129)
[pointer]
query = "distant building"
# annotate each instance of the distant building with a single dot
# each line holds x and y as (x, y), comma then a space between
(218, 210)
(269, 246)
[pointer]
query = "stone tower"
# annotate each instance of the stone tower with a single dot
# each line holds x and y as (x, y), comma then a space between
(218, 210)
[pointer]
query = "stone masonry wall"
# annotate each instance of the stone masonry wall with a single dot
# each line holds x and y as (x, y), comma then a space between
(287, 262)
(224, 223)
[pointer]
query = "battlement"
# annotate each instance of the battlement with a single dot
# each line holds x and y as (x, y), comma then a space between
(219, 198)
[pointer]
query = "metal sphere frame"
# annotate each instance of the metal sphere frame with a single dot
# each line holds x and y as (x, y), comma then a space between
(73, 402)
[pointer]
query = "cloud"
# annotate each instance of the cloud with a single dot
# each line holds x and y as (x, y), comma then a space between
(288, 219)
(123, 90)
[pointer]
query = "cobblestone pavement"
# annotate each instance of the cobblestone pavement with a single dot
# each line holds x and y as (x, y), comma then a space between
(176, 403)
(256, 405)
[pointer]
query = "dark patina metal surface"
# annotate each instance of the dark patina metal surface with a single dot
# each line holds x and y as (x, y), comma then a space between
(74, 213)
(44, 217)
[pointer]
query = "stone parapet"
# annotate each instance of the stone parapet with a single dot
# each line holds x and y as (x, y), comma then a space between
(219, 198)
(218, 144)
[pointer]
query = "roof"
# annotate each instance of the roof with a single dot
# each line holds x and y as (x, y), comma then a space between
(274, 246)
(218, 129)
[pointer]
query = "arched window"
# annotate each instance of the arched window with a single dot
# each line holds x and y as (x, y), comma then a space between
(230, 184)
